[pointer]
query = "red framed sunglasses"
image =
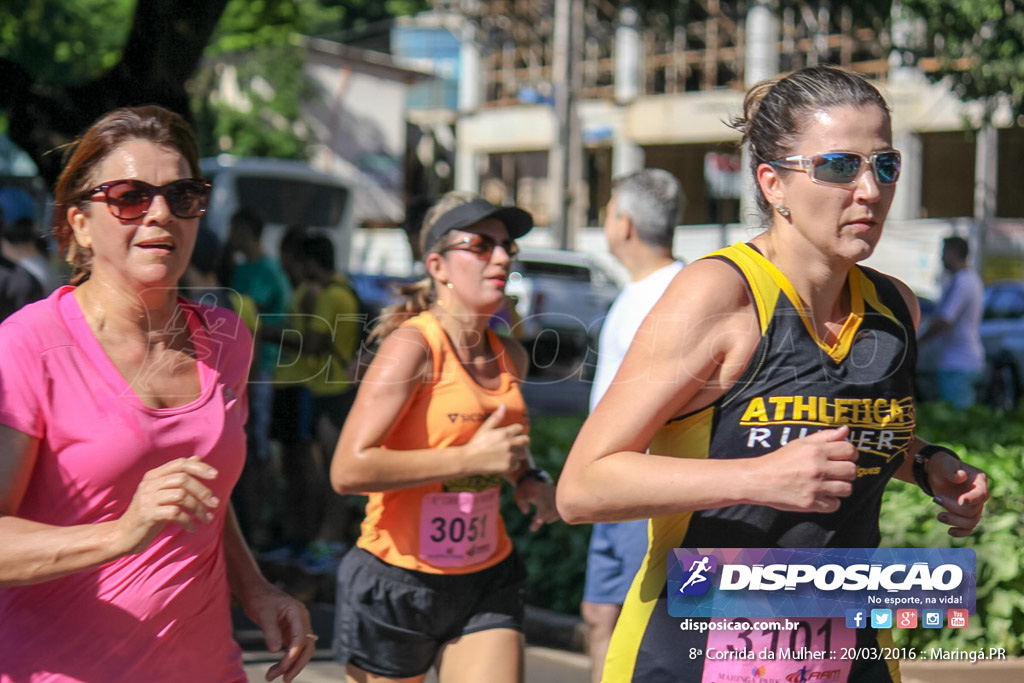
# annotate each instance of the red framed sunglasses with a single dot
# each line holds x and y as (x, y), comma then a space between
(131, 199)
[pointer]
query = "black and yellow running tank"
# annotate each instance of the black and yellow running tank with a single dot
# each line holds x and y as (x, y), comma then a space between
(793, 386)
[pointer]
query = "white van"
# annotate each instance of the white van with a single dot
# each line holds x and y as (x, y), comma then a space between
(284, 193)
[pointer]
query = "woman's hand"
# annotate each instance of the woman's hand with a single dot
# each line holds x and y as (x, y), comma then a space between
(961, 489)
(172, 493)
(541, 496)
(285, 624)
(810, 474)
(497, 450)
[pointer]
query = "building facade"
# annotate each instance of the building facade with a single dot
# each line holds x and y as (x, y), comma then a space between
(540, 80)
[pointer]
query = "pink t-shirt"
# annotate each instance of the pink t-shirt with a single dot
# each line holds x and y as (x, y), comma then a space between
(160, 615)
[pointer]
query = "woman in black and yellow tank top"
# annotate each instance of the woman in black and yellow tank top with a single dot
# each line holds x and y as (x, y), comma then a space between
(768, 397)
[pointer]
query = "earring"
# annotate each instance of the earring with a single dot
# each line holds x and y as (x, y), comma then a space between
(783, 210)
(449, 285)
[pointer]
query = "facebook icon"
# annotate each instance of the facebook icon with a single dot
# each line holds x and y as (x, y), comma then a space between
(856, 618)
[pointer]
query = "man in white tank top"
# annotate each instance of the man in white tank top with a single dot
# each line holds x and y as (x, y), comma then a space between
(640, 222)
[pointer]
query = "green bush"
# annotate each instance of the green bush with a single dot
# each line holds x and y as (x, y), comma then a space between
(993, 441)
(556, 555)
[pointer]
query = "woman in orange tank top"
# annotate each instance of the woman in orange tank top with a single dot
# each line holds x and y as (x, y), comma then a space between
(438, 422)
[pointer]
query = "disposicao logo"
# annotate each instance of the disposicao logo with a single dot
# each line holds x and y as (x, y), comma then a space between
(697, 578)
(818, 582)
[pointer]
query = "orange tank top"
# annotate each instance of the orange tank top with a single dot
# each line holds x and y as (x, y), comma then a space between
(450, 527)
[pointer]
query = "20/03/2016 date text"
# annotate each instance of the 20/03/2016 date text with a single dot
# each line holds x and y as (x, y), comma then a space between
(862, 653)
(801, 640)
(873, 653)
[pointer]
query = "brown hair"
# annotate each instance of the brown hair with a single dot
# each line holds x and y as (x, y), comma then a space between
(776, 112)
(418, 296)
(149, 123)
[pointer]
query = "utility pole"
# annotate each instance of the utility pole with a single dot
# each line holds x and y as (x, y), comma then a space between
(986, 164)
(565, 160)
(762, 62)
(627, 156)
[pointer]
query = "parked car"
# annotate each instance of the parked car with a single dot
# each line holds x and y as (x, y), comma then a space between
(284, 193)
(562, 298)
(1002, 335)
(376, 290)
(927, 386)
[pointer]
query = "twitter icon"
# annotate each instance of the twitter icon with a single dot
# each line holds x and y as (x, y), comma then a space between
(881, 618)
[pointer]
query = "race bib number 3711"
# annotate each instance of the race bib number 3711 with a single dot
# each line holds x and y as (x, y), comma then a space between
(744, 649)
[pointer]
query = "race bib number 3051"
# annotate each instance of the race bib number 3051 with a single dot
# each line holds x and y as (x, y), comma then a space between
(459, 529)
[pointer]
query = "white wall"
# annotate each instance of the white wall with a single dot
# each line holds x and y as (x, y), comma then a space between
(360, 120)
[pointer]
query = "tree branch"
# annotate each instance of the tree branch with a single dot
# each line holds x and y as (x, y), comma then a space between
(163, 49)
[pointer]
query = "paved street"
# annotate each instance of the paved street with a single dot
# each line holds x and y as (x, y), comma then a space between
(1007, 671)
(543, 665)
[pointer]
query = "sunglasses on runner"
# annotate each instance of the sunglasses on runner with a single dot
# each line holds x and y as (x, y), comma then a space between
(131, 199)
(844, 168)
(483, 246)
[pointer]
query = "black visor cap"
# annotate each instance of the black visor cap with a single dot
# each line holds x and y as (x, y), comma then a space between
(516, 221)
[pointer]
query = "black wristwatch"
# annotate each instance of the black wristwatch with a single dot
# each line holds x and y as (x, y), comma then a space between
(921, 461)
(535, 473)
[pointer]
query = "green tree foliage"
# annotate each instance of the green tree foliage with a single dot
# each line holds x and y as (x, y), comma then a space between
(356, 16)
(66, 42)
(265, 119)
(254, 54)
(556, 555)
(979, 44)
(256, 46)
(254, 24)
(994, 442)
(63, 63)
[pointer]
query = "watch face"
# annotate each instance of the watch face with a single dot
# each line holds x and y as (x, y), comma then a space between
(926, 453)
(539, 475)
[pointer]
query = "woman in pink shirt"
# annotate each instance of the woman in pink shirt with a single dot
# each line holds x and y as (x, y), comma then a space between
(122, 408)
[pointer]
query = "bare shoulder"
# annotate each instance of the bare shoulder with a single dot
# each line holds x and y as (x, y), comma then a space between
(706, 292)
(908, 297)
(403, 355)
(702, 333)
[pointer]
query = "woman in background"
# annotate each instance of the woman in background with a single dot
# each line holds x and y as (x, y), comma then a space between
(438, 421)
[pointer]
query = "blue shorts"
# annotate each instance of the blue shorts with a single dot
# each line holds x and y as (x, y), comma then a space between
(616, 552)
(957, 387)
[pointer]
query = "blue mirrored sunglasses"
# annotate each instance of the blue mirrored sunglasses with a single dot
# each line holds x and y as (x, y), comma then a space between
(844, 168)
